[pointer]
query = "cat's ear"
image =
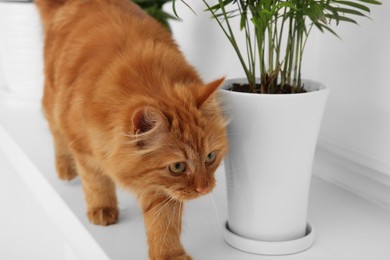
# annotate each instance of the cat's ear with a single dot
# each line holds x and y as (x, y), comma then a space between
(148, 119)
(207, 91)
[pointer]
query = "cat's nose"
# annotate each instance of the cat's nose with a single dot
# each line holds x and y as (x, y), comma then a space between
(201, 190)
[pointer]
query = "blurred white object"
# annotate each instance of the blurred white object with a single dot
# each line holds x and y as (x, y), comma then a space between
(21, 51)
(2, 80)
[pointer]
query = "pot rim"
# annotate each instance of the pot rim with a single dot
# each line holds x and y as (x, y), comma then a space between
(319, 88)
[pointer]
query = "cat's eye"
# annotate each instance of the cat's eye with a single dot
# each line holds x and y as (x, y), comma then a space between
(177, 168)
(210, 158)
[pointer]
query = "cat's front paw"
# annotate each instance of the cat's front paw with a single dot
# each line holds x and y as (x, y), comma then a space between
(103, 216)
(176, 255)
(181, 257)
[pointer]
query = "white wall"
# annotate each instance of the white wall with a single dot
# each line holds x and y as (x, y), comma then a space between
(356, 68)
(2, 80)
(203, 43)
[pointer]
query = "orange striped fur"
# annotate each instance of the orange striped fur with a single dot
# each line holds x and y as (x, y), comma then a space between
(123, 105)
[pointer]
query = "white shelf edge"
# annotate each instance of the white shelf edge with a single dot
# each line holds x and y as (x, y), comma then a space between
(75, 234)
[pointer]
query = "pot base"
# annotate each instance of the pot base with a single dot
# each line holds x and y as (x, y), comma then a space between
(270, 248)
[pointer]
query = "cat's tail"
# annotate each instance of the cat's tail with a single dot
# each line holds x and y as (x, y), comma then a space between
(48, 8)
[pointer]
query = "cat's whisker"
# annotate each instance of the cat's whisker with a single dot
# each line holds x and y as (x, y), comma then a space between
(154, 195)
(160, 206)
(168, 226)
(232, 185)
(160, 211)
(156, 207)
(180, 218)
(230, 179)
(185, 224)
(233, 169)
(215, 210)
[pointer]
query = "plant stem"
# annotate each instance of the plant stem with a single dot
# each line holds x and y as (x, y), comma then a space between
(289, 50)
(297, 46)
(230, 35)
(301, 55)
(282, 73)
(249, 47)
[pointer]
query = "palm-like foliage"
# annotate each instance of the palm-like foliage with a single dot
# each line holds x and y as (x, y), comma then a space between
(155, 9)
(276, 32)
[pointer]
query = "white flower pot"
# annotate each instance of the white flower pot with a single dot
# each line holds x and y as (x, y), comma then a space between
(21, 54)
(272, 140)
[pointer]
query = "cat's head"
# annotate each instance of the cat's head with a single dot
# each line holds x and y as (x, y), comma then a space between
(176, 144)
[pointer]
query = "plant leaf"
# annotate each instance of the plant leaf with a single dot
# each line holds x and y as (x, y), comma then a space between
(321, 27)
(342, 18)
(354, 4)
(350, 11)
(174, 8)
(219, 6)
(374, 2)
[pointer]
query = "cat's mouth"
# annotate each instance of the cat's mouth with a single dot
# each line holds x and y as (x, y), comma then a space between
(186, 194)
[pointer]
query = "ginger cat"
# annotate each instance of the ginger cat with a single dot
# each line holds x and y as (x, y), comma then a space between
(125, 108)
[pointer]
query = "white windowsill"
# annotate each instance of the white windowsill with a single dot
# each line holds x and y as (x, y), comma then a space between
(347, 226)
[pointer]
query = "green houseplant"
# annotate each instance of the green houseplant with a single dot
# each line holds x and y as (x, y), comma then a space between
(276, 33)
(155, 9)
(275, 117)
